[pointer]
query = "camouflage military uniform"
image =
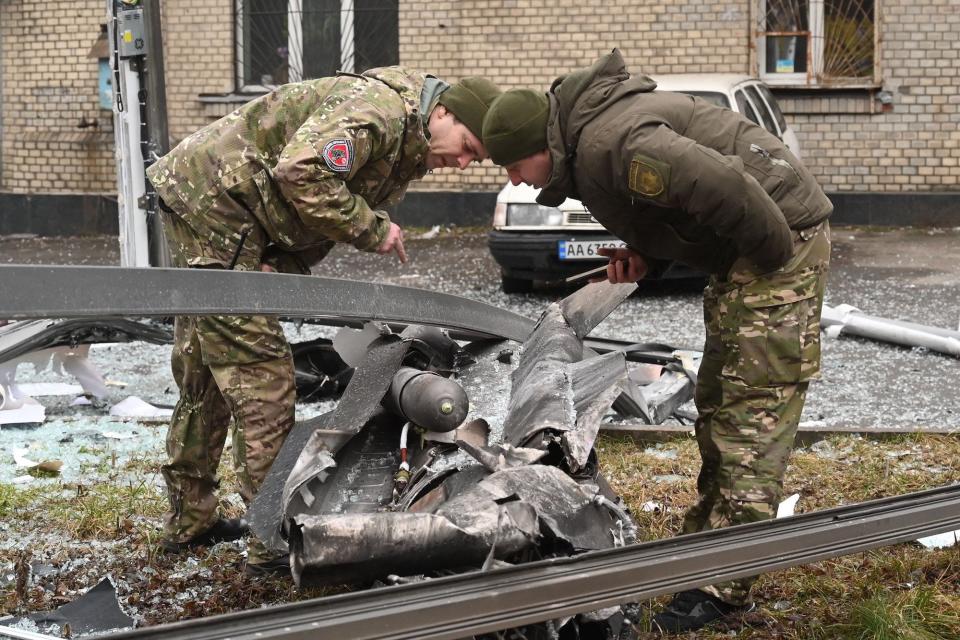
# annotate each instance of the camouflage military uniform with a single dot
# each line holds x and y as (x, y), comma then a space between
(680, 179)
(761, 351)
(276, 182)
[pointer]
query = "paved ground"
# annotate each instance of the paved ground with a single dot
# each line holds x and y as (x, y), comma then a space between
(910, 274)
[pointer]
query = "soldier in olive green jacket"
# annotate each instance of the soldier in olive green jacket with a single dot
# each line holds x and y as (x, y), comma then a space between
(272, 187)
(678, 178)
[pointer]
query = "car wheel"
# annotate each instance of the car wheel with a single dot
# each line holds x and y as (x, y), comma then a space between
(516, 285)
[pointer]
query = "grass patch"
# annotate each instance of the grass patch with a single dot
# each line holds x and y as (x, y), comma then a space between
(15, 500)
(100, 511)
(108, 510)
(918, 614)
(903, 591)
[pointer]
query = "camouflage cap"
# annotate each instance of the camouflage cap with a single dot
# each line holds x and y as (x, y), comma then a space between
(469, 100)
(516, 125)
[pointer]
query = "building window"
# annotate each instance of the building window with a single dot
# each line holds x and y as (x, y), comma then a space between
(817, 42)
(280, 41)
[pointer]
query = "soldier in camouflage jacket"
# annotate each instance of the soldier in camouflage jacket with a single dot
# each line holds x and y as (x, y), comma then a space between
(272, 187)
(678, 178)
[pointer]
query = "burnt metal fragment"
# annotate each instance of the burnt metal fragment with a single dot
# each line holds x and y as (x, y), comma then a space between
(319, 371)
(519, 503)
(96, 611)
(360, 402)
(589, 305)
(44, 291)
(20, 338)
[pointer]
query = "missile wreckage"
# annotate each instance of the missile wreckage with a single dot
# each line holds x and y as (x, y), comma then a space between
(446, 455)
(451, 448)
(406, 487)
(501, 520)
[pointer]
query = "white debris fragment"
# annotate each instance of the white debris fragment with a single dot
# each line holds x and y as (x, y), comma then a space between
(432, 233)
(134, 407)
(650, 506)
(30, 411)
(941, 540)
(788, 507)
(661, 454)
(847, 318)
(62, 360)
(38, 389)
(118, 435)
(669, 478)
(22, 461)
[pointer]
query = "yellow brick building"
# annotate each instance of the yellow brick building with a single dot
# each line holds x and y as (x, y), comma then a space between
(885, 145)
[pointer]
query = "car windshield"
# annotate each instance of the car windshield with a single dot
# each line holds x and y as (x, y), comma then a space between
(712, 97)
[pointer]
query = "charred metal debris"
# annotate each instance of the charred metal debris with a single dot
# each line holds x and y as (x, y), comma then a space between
(454, 446)
(533, 599)
(454, 450)
(413, 490)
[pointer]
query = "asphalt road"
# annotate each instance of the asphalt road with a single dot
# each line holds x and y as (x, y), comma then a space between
(904, 274)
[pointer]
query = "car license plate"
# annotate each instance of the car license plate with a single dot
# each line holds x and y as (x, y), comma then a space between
(585, 249)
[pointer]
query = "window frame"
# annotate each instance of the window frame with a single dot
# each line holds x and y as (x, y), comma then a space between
(294, 43)
(810, 79)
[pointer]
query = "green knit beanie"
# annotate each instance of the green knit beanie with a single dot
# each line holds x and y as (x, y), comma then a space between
(516, 125)
(469, 100)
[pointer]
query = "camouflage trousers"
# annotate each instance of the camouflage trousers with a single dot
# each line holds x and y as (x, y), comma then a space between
(762, 348)
(226, 367)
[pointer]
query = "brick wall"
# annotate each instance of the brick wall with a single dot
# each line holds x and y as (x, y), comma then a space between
(49, 84)
(528, 43)
(914, 147)
(49, 88)
(199, 57)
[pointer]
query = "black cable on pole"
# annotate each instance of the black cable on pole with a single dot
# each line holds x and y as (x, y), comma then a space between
(116, 56)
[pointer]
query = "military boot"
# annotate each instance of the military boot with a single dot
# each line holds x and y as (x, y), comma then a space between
(223, 530)
(691, 610)
(263, 562)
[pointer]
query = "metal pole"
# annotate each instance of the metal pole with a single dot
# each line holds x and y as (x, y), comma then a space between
(159, 143)
(347, 50)
(129, 157)
(2, 100)
(295, 53)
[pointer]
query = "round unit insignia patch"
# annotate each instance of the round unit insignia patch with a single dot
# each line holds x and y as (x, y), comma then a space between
(338, 154)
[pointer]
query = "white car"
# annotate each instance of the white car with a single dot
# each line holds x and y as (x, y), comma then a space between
(532, 243)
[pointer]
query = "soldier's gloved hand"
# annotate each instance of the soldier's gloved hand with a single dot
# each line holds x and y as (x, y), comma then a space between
(626, 265)
(394, 242)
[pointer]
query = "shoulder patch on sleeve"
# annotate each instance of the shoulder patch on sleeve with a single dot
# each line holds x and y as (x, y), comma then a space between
(338, 154)
(648, 177)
